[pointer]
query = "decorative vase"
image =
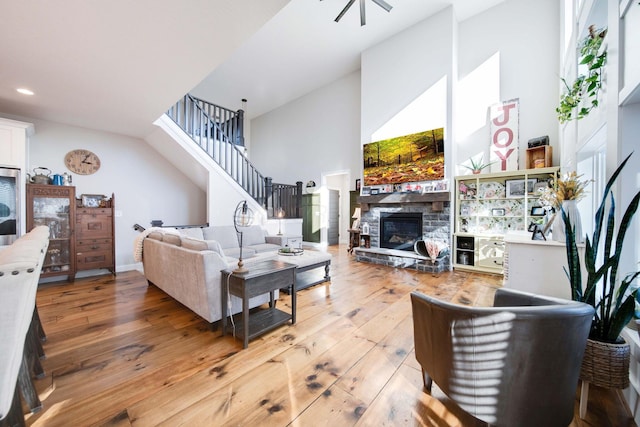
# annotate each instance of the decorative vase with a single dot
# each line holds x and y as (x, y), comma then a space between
(605, 364)
(558, 230)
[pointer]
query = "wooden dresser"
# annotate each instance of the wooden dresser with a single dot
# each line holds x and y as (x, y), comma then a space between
(95, 243)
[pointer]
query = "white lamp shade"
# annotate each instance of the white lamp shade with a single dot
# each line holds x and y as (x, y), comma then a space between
(356, 213)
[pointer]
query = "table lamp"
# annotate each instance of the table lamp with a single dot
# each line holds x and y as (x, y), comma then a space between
(280, 215)
(242, 218)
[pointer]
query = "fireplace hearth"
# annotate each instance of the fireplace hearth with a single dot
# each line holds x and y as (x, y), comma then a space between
(400, 230)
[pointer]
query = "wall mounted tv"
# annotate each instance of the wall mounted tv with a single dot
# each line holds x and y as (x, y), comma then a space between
(409, 158)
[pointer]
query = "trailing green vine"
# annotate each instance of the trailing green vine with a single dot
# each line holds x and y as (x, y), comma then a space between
(585, 87)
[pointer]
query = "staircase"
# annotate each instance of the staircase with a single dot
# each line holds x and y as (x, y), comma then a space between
(218, 131)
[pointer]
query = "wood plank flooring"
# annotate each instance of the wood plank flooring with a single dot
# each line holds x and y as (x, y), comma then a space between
(121, 353)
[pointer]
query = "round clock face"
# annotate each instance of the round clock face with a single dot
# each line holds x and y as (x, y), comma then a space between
(82, 162)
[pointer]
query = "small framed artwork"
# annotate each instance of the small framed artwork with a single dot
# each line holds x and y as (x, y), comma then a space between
(519, 187)
(358, 185)
(537, 211)
(92, 200)
(366, 191)
(497, 212)
(539, 187)
(374, 191)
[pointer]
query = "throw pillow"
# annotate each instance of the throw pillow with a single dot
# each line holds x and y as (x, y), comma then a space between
(194, 244)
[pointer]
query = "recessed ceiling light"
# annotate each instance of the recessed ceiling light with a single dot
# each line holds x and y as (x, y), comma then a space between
(24, 91)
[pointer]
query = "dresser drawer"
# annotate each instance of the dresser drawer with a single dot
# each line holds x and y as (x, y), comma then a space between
(94, 211)
(87, 245)
(93, 226)
(94, 259)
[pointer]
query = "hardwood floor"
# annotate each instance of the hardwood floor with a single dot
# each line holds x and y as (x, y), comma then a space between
(120, 353)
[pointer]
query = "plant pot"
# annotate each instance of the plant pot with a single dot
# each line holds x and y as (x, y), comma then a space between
(605, 364)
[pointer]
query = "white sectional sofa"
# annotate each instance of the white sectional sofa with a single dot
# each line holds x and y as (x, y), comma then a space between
(186, 263)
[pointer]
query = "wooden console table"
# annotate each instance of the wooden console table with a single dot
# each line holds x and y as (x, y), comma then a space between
(354, 239)
(263, 277)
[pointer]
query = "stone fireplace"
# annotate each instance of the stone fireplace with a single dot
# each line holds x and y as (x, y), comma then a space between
(397, 220)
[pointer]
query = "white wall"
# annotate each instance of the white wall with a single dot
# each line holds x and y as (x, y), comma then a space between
(146, 186)
(316, 133)
(525, 35)
(399, 70)
(520, 37)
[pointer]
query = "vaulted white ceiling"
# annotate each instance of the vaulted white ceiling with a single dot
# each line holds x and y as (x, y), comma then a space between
(118, 65)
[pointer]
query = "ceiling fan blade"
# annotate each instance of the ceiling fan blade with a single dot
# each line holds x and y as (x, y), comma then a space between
(363, 21)
(341, 14)
(383, 4)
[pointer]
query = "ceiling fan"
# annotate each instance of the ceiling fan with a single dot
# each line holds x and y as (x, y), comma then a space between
(383, 4)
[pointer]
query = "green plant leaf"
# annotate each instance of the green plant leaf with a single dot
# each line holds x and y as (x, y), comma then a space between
(616, 303)
(587, 58)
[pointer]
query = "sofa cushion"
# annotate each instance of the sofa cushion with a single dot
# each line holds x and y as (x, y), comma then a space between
(155, 235)
(225, 235)
(265, 247)
(194, 232)
(194, 244)
(235, 252)
(202, 245)
(253, 235)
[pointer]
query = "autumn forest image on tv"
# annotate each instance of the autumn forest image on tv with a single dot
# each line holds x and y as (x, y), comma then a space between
(409, 158)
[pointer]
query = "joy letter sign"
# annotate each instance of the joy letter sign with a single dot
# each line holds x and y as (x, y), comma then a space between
(504, 136)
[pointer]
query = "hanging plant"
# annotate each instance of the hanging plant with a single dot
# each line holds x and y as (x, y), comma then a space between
(586, 87)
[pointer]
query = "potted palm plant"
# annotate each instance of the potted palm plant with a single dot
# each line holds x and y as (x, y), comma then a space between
(606, 359)
(476, 166)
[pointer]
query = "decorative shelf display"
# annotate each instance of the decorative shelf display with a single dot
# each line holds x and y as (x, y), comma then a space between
(487, 206)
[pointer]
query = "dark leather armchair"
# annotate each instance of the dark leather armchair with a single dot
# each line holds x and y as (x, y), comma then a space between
(513, 364)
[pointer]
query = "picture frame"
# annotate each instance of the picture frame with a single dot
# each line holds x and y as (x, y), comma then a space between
(375, 191)
(497, 212)
(92, 200)
(519, 187)
(358, 183)
(537, 211)
(539, 186)
(365, 191)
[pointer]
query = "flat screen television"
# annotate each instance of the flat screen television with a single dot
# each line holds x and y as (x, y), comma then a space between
(408, 158)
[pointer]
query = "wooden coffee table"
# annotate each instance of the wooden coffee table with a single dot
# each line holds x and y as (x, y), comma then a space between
(312, 268)
(263, 277)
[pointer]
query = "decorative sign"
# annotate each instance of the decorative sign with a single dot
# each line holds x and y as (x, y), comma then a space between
(504, 135)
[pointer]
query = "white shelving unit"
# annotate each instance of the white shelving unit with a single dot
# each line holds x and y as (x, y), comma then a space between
(488, 206)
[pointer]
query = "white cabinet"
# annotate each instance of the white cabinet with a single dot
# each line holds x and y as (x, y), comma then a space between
(487, 206)
(14, 153)
(490, 252)
(14, 138)
(537, 266)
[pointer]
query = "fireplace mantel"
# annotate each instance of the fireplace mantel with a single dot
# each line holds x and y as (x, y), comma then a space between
(403, 198)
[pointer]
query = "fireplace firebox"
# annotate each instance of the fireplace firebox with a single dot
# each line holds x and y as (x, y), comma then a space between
(400, 230)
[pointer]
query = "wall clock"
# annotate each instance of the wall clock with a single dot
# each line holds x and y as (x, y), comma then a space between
(82, 162)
